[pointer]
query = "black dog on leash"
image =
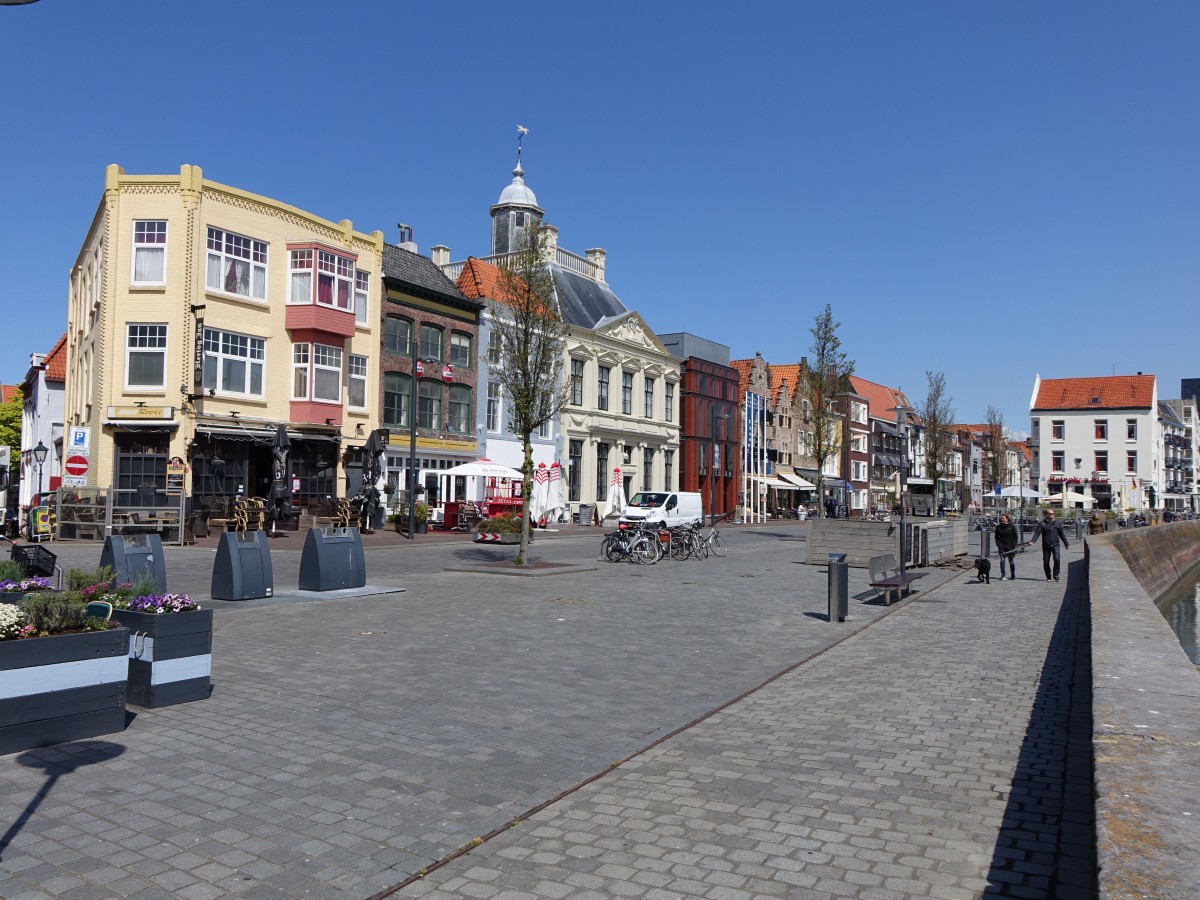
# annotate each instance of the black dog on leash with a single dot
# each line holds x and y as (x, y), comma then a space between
(983, 570)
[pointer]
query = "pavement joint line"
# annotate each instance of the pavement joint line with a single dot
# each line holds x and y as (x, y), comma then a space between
(533, 811)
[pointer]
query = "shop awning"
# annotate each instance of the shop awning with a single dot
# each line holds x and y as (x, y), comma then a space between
(799, 482)
(882, 427)
(258, 433)
(773, 482)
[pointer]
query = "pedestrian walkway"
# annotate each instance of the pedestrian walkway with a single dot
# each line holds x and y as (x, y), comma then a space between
(919, 750)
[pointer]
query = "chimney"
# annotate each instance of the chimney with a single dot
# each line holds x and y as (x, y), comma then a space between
(406, 238)
(440, 254)
(596, 255)
(551, 249)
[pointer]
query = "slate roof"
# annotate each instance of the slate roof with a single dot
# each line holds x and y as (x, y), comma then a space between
(584, 301)
(1109, 392)
(419, 274)
(56, 361)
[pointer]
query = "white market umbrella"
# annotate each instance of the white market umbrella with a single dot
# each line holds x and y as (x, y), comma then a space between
(1019, 492)
(554, 494)
(615, 505)
(540, 494)
(483, 468)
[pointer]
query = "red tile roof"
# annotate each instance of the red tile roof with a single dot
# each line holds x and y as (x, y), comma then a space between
(8, 391)
(1107, 392)
(786, 373)
(480, 280)
(56, 361)
(882, 401)
(744, 368)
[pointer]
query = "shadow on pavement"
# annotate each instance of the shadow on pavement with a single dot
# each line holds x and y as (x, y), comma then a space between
(1047, 841)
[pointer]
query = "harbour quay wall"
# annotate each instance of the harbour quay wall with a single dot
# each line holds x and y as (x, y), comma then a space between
(1145, 714)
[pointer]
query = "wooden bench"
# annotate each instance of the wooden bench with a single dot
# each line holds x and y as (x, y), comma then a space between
(886, 577)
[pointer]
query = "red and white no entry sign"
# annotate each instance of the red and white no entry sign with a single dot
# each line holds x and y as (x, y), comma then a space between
(420, 368)
(448, 374)
(76, 465)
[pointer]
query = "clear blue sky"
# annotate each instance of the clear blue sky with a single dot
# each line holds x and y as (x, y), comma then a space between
(986, 190)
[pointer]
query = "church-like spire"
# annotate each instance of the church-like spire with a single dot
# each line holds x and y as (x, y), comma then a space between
(515, 209)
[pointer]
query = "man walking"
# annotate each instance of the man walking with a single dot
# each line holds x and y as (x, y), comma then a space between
(1051, 534)
(1006, 546)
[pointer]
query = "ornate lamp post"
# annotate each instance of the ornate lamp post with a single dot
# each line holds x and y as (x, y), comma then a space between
(901, 421)
(39, 454)
(418, 369)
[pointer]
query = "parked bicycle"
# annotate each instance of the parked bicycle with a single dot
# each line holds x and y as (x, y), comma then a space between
(633, 544)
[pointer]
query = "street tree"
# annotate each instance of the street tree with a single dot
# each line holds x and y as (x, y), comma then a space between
(532, 335)
(997, 445)
(936, 415)
(829, 375)
(10, 423)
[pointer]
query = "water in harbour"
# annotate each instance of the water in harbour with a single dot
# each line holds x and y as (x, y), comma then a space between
(1181, 609)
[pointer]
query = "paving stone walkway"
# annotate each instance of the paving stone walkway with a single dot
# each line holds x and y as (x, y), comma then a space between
(924, 750)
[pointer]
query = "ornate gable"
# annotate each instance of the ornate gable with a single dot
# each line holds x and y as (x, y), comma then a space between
(632, 329)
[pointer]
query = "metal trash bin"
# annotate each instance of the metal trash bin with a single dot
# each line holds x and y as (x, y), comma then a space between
(134, 556)
(242, 569)
(985, 544)
(333, 559)
(839, 587)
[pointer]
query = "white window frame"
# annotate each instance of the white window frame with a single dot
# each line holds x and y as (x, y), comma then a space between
(669, 406)
(327, 358)
(300, 276)
(255, 258)
(218, 346)
(648, 384)
(339, 270)
(356, 376)
(148, 244)
(495, 406)
(627, 393)
(362, 291)
(301, 360)
(144, 333)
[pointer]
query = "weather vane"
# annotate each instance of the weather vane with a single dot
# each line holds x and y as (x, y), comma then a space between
(521, 132)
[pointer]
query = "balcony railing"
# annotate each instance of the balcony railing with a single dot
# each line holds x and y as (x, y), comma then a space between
(572, 262)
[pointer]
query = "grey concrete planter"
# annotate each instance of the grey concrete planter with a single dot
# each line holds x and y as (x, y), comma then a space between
(62, 688)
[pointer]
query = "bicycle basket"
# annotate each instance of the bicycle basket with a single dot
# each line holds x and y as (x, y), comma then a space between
(35, 559)
(664, 537)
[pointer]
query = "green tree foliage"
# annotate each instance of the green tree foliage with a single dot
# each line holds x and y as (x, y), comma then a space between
(936, 413)
(829, 374)
(532, 337)
(10, 423)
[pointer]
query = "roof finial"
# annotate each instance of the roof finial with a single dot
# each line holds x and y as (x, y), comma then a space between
(521, 132)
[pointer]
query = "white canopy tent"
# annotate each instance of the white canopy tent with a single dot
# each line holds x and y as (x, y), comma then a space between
(483, 468)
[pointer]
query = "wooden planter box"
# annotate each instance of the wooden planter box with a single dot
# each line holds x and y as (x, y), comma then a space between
(62, 688)
(170, 656)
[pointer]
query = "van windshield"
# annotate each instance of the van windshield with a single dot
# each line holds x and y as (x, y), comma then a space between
(648, 499)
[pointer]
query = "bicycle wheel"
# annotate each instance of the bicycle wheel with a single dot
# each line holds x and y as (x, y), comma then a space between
(699, 546)
(644, 550)
(716, 545)
(614, 548)
(681, 547)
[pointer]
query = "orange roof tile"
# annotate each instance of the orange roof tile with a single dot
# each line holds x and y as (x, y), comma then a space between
(8, 391)
(744, 368)
(786, 373)
(56, 361)
(1102, 392)
(480, 280)
(882, 401)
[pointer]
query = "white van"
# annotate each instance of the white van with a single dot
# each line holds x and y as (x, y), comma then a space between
(667, 508)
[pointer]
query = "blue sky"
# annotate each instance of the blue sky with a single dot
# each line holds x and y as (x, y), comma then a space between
(986, 190)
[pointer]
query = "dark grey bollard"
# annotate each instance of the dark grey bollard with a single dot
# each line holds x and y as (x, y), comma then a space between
(985, 544)
(135, 555)
(1079, 528)
(242, 570)
(333, 559)
(839, 587)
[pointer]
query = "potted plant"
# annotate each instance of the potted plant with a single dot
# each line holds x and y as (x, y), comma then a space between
(504, 529)
(422, 517)
(170, 643)
(62, 672)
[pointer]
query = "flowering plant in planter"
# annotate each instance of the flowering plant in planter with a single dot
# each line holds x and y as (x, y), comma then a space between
(157, 603)
(26, 585)
(12, 623)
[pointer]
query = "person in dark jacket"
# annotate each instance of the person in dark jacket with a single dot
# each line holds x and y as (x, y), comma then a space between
(1006, 546)
(1052, 535)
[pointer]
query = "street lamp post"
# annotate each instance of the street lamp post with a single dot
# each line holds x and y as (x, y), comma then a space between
(39, 454)
(714, 463)
(901, 420)
(417, 371)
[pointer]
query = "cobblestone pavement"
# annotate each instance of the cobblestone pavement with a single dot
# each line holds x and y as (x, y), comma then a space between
(912, 751)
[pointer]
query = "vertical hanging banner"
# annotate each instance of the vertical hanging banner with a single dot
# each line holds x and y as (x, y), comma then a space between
(198, 374)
